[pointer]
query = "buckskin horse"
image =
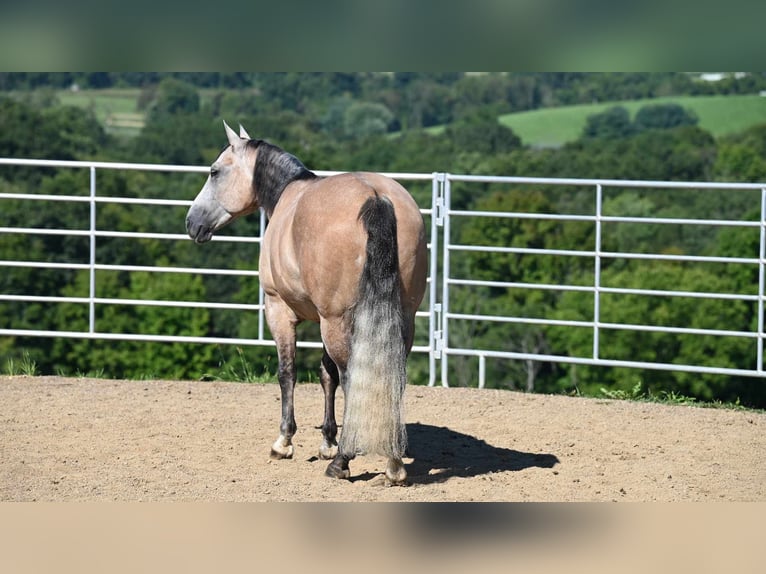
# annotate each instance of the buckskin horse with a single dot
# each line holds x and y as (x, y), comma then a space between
(346, 251)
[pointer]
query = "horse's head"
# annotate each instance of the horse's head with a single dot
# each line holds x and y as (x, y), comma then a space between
(228, 192)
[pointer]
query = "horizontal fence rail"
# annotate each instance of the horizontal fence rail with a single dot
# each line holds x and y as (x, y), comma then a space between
(439, 317)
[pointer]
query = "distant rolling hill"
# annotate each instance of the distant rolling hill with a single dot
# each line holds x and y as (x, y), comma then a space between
(720, 115)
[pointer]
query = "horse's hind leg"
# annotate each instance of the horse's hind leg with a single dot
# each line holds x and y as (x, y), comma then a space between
(336, 338)
(282, 323)
(329, 378)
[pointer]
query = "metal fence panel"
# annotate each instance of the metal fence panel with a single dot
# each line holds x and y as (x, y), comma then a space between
(597, 253)
(436, 310)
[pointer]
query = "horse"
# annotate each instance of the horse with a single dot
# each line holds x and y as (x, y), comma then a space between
(347, 251)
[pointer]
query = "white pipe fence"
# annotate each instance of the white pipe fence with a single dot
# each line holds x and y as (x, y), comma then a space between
(436, 310)
(598, 255)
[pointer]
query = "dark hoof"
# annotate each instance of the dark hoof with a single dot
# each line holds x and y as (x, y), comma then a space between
(338, 468)
(334, 473)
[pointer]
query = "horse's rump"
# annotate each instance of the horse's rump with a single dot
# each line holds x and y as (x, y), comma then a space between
(317, 240)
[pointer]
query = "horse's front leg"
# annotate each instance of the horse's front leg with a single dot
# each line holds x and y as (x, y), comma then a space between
(283, 446)
(282, 322)
(329, 378)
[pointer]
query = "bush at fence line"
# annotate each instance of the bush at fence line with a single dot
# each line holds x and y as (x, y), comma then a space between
(134, 359)
(632, 345)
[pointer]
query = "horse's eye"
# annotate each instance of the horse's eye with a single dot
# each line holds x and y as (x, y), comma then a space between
(213, 172)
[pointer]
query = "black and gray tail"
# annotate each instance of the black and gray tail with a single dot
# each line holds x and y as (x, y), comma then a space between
(376, 376)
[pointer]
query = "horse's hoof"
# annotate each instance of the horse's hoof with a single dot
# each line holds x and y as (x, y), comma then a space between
(328, 452)
(281, 449)
(396, 482)
(274, 455)
(343, 473)
(336, 469)
(396, 474)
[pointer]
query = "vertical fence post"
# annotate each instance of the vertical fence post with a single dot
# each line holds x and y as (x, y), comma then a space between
(597, 276)
(92, 262)
(260, 285)
(445, 279)
(761, 279)
(434, 335)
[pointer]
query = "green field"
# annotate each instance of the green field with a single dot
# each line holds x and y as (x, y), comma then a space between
(720, 115)
(116, 109)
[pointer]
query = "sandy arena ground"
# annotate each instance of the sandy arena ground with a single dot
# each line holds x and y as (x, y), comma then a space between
(104, 440)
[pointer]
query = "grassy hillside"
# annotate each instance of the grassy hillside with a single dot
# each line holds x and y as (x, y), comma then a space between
(116, 109)
(720, 115)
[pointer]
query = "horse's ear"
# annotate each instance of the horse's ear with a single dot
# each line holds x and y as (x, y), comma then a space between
(243, 133)
(231, 135)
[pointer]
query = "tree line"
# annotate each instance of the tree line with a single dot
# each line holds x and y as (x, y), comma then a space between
(413, 99)
(342, 127)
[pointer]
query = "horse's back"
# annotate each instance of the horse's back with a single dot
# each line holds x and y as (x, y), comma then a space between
(340, 197)
(317, 243)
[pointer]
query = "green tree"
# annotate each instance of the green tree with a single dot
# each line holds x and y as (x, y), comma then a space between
(174, 97)
(133, 359)
(60, 132)
(659, 347)
(333, 120)
(664, 116)
(742, 157)
(482, 134)
(427, 103)
(177, 139)
(363, 119)
(614, 123)
(686, 153)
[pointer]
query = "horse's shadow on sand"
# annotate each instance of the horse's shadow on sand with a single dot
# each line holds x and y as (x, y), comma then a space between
(440, 453)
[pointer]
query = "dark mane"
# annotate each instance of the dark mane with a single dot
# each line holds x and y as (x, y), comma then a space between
(274, 170)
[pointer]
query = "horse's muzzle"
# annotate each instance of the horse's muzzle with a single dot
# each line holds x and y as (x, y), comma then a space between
(205, 218)
(199, 232)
